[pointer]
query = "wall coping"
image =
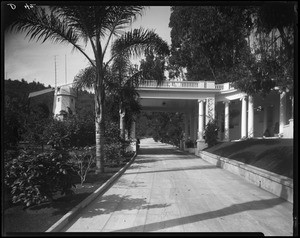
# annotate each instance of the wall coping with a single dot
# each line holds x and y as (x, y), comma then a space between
(261, 172)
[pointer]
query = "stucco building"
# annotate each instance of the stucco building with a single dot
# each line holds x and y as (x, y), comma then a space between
(60, 101)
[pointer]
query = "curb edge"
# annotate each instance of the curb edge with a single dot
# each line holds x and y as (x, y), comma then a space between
(62, 222)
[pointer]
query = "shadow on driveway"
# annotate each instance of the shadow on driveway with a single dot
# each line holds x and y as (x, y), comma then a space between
(236, 208)
(177, 169)
(159, 151)
(114, 203)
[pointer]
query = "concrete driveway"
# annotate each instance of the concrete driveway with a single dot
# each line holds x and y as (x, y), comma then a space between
(166, 190)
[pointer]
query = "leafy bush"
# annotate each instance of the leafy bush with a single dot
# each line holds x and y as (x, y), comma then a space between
(13, 121)
(189, 144)
(71, 132)
(114, 146)
(34, 178)
(211, 133)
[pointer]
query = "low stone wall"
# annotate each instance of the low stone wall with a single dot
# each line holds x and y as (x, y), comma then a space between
(278, 185)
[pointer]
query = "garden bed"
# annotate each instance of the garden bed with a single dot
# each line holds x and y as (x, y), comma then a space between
(40, 217)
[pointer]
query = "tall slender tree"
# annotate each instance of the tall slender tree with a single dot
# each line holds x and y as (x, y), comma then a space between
(96, 26)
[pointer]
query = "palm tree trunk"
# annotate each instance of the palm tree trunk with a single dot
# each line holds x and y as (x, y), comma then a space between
(99, 125)
(122, 122)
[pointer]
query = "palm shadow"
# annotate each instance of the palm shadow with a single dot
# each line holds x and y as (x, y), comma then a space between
(177, 169)
(152, 160)
(114, 203)
(233, 209)
(159, 151)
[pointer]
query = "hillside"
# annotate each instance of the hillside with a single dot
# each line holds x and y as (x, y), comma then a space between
(21, 89)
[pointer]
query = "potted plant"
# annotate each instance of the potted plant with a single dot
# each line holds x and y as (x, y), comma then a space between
(189, 144)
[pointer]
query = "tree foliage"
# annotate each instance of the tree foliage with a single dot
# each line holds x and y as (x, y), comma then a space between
(252, 46)
(153, 67)
(17, 112)
(271, 60)
(208, 40)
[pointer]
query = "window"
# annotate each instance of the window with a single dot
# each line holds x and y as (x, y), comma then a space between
(58, 99)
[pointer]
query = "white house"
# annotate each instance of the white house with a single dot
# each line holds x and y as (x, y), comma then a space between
(238, 114)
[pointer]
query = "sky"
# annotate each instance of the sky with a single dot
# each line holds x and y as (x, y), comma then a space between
(35, 61)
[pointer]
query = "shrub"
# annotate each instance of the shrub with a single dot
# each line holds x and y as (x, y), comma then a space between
(114, 146)
(113, 154)
(189, 143)
(71, 132)
(58, 141)
(211, 133)
(84, 159)
(34, 178)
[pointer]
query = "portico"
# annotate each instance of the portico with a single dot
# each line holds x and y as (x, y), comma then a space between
(238, 115)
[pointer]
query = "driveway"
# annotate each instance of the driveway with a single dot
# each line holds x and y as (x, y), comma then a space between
(166, 190)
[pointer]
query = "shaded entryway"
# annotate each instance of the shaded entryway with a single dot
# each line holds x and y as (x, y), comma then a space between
(166, 190)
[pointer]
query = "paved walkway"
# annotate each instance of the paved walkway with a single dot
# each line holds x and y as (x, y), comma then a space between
(166, 190)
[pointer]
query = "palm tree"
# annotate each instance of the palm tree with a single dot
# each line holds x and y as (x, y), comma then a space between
(122, 80)
(94, 25)
(126, 80)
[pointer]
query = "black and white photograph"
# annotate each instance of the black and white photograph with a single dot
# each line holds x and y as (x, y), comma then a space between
(158, 118)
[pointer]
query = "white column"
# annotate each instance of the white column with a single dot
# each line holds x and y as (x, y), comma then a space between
(200, 119)
(282, 111)
(206, 113)
(250, 117)
(244, 118)
(226, 121)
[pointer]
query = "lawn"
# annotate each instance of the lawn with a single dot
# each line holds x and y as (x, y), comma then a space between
(41, 217)
(274, 155)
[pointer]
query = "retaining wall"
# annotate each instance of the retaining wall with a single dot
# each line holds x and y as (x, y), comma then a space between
(279, 185)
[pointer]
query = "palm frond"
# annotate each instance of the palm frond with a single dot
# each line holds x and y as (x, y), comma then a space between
(40, 25)
(85, 79)
(121, 66)
(119, 18)
(138, 41)
(122, 16)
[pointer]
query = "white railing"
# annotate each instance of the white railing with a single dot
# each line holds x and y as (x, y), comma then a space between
(179, 84)
(186, 84)
(220, 86)
(224, 86)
